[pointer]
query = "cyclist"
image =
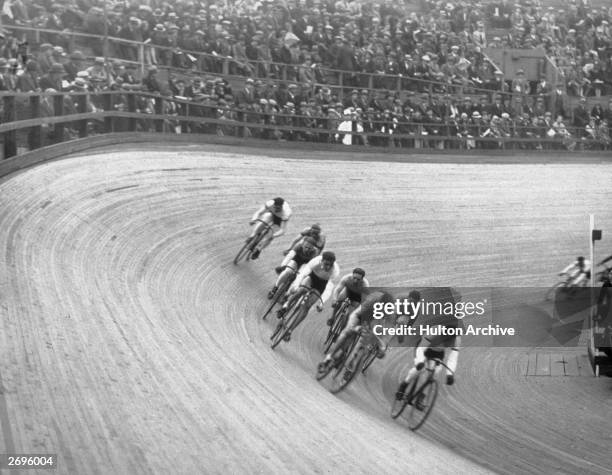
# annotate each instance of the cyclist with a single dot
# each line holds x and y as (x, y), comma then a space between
(318, 274)
(302, 254)
(438, 343)
(351, 286)
(578, 272)
(359, 320)
(314, 232)
(275, 212)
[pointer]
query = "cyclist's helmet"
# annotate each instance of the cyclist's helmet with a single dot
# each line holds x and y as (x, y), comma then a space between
(316, 227)
(414, 295)
(328, 256)
(580, 258)
(278, 202)
(359, 270)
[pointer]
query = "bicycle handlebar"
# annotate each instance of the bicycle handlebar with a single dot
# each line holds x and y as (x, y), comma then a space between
(263, 222)
(313, 291)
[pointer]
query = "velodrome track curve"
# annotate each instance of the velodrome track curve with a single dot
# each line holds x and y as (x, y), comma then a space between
(131, 344)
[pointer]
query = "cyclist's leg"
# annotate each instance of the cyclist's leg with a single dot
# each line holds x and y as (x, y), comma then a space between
(419, 363)
(305, 309)
(268, 237)
(339, 301)
(289, 269)
(452, 359)
(295, 292)
(259, 225)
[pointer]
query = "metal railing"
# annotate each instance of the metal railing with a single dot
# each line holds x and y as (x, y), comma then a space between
(34, 120)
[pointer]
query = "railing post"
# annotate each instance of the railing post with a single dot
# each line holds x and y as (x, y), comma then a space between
(81, 109)
(131, 102)
(141, 58)
(399, 83)
(370, 82)
(58, 110)
(35, 133)
(108, 102)
(159, 109)
(10, 137)
(341, 84)
(225, 67)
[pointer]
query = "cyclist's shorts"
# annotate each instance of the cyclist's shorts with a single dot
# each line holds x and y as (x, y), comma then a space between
(438, 341)
(317, 283)
(277, 220)
(353, 296)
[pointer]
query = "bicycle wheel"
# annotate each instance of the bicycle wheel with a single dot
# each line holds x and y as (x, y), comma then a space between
(553, 290)
(345, 356)
(399, 405)
(245, 251)
(334, 330)
(422, 404)
(287, 323)
(349, 375)
(369, 359)
(277, 296)
(322, 374)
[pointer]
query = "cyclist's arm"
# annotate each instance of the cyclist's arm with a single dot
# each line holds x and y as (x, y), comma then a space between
(322, 245)
(259, 212)
(330, 283)
(572, 266)
(282, 227)
(341, 285)
(288, 258)
(366, 283)
(296, 240)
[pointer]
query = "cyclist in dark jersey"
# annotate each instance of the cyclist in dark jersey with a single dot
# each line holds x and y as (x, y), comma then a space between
(292, 263)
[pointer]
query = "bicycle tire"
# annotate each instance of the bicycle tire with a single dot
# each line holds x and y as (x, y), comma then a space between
(244, 251)
(334, 331)
(551, 292)
(344, 382)
(288, 322)
(279, 293)
(346, 355)
(369, 359)
(417, 417)
(398, 405)
(323, 374)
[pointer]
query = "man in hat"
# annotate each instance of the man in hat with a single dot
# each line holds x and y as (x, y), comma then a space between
(45, 57)
(74, 65)
(28, 81)
(520, 84)
(53, 79)
(132, 32)
(97, 72)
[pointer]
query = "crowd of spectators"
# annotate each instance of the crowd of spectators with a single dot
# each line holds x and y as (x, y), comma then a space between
(441, 42)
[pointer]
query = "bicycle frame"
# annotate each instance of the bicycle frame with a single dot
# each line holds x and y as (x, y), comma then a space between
(296, 316)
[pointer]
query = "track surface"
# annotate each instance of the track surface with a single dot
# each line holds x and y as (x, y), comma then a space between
(131, 344)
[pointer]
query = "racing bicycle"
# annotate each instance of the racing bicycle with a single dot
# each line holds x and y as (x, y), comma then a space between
(251, 244)
(422, 392)
(280, 294)
(352, 361)
(294, 316)
(339, 319)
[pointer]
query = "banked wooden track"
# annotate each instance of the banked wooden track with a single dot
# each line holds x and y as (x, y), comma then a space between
(131, 344)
